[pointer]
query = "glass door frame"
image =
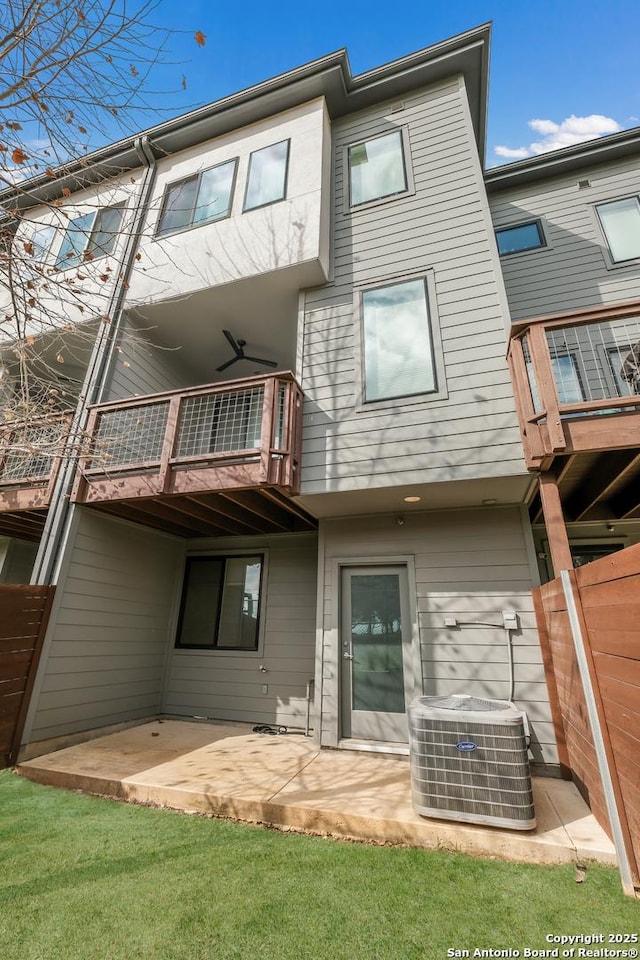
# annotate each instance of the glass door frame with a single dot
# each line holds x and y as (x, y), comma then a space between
(412, 665)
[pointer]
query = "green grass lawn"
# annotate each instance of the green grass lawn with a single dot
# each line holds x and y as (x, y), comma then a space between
(83, 879)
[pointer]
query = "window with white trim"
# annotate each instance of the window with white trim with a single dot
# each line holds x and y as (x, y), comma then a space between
(220, 607)
(397, 341)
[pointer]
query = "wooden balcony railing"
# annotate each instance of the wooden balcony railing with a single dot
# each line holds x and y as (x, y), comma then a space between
(577, 382)
(233, 435)
(30, 457)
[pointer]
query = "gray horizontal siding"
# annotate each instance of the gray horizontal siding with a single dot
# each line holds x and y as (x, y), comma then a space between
(140, 366)
(471, 565)
(228, 686)
(105, 652)
(572, 271)
(443, 227)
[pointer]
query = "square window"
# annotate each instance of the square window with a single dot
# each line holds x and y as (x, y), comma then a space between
(620, 220)
(200, 199)
(524, 236)
(90, 236)
(376, 168)
(397, 341)
(267, 177)
(220, 607)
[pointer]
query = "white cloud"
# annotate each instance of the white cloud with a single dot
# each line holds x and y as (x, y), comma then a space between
(515, 153)
(554, 135)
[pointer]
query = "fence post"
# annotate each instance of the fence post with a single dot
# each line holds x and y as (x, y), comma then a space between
(606, 764)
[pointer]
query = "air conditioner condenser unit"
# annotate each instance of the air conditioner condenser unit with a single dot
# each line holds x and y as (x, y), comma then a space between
(469, 761)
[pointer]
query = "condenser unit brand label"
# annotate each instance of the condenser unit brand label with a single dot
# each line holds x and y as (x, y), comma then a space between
(466, 746)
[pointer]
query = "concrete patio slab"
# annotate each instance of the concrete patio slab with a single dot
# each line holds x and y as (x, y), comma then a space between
(289, 782)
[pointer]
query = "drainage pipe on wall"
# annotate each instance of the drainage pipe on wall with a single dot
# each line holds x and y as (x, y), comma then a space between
(57, 525)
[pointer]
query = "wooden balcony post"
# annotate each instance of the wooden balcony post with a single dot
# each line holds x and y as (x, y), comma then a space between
(80, 484)
(545, 380)
(171, 430)
(554, 522)
(266, 433)
(530, 431)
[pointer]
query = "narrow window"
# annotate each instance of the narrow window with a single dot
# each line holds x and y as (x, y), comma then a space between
(106, 231)
(377, 168)
(221, 603)
(398, 346)
(267, 177)
(75, 240)
(214, 193)
(42, 240)
(620, 221)
(200, 199)
(177, 210)
(524, 236)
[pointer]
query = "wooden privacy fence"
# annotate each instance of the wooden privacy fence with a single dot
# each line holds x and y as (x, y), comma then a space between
(24, 612)
(589, 625)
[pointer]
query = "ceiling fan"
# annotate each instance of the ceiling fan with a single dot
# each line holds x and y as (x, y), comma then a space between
(238, 348)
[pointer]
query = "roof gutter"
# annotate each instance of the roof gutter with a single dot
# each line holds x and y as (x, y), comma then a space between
(616, 146)
(329, 77)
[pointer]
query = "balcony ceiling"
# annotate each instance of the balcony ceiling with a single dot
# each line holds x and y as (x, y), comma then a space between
(262, 310)
(24, 525)
(596, 486)
(215, 514)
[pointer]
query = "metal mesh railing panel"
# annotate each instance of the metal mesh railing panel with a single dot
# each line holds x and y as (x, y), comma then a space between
(220, 423)
(596, 361)
(129, 435)
(31, 453)
(531, 374)
(281, 416)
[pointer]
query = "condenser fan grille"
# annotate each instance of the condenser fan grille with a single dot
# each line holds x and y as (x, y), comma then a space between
(468, 769)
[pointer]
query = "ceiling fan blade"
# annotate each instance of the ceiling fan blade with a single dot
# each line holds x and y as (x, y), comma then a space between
(267, 363)
(224, 366)
(237, 349)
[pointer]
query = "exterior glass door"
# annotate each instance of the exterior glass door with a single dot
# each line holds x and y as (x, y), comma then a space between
(375, 650)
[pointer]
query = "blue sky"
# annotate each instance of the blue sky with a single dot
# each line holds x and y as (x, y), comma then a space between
(551, 60)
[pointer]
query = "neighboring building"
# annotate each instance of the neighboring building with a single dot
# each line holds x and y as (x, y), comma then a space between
(568, 225)
(231, 550)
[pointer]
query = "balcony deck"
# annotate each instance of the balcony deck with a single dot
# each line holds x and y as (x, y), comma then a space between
(214, 460)
(30, 457)
(576, 380)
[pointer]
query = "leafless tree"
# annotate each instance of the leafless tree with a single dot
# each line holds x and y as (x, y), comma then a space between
(73, 75)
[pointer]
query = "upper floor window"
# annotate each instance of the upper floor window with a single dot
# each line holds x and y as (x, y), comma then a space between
(221, 603)
(267, 176)
(397, 341)
(620, 221)
(90, 236)
(377, 168)
(202, 198)
(523, 236)
(41, 241)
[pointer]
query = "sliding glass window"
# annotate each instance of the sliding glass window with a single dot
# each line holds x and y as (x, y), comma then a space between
(220, 607)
